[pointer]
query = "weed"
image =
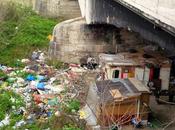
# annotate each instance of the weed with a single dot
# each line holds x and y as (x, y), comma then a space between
(22, 31)
(73, 106)
(70, 127)
(57, 64)
(6, 103)
(2, 74)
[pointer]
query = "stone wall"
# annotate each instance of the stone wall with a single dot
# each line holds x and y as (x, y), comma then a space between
(66, 9)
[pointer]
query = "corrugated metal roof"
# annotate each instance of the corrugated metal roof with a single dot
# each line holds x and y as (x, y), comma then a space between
(125, 87)
(139, 85)
(135, 59)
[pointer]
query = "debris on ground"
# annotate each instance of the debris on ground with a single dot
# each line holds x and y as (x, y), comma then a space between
(39, 92)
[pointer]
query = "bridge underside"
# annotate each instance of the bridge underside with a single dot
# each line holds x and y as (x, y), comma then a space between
(111, 12)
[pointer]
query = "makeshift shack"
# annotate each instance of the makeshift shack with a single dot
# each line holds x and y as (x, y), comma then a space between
(116, 101)
(151, 68)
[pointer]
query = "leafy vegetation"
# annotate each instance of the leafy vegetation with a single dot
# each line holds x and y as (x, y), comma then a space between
(7, 100)
(57, 64)
(69, 127)
(22, 31)
(73, 105)
(2, 74)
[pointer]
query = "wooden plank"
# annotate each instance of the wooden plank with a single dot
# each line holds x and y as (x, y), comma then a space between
(115, 94)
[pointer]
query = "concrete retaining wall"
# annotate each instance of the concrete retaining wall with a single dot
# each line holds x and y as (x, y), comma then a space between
(53, 8)
(58, 8)
(75, 39)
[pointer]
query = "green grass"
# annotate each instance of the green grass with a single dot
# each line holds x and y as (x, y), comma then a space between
(6, 103)
(21, 32)
(2, 74)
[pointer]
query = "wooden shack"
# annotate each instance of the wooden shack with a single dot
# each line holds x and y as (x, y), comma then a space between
(147, 67)
(119, 99)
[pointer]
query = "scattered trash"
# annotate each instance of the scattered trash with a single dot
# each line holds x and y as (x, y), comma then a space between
(82, 114)
(3, 68)
(30, 78)
(91, 63)
(57, 114)
(35, 55)
(41, 57)
(19, 124)
(41, 86)
(45, 90)
(5, 121)
(25, 61)
(40, 77)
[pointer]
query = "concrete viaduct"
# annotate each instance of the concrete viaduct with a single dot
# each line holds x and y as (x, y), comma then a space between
(154, 20)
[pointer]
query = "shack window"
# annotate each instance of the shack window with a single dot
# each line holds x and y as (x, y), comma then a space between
(156, 73)
(116, 74)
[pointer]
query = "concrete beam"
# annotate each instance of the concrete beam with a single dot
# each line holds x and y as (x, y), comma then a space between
(112, 12)
(159, 12)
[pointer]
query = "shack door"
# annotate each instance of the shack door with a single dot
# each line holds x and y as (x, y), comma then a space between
(146, 75)
(139, 73)
(116, 74)
(165, 76)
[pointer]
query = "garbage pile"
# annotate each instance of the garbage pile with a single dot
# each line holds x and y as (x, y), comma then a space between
(44, 91)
